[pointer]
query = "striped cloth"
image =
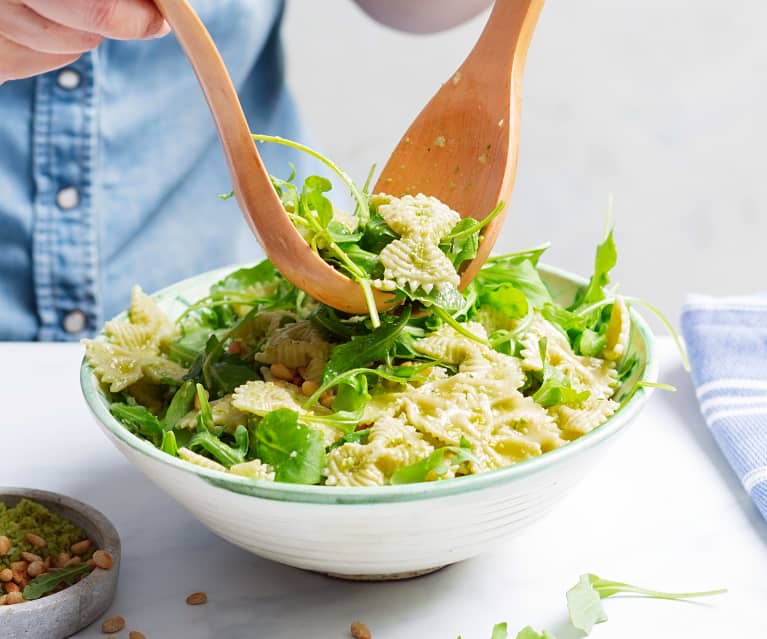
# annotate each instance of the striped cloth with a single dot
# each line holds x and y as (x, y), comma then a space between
(727, 342)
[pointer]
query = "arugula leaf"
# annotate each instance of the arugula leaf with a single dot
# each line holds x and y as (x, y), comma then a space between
(438, 462)
(506, 298)
(246, 278)
(367, 261)
(533, 255)
(341, 234)
(180, 405)
(589, 343)
(357, 436)
(448, 297)
(377, 235)
(312, 199)
(44, 584)
(169, 444)
(585, 605)
(555, 388)
(608, 588)
(529, 633)
(205, 421)
(605, 259)
(521, 274)
(139, 419)
(221, 452)
(365, 349)
(296, 452)
(327, 318)
(500, 631)
(463, 247)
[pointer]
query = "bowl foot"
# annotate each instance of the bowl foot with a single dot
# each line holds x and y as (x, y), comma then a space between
(393, 576)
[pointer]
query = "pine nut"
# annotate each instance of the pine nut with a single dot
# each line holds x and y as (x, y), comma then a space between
(135, 634)
(113, 624)
(197, 598)
(360, 631)
(91, 563)
(20, 576)
(35, 540)
(6, 574)
(235, 347)
(62, 559)
(30, 557)
(3, 599)
(81, 547)
(35, 568)
(14, 598)
(103, 559)
(327, 400)
(11, 587)
(5, 545)
(197, 399)
(309, 388)
(73, 562)
(280, 371)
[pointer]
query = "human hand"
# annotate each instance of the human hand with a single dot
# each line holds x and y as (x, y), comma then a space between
(40, 35)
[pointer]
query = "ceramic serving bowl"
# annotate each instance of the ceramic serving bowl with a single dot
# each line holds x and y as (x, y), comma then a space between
(75, 607)
(379, 532)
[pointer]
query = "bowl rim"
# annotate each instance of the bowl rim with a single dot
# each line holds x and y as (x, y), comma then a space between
(371, 495)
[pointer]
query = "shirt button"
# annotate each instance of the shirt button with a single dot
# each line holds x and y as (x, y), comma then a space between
(68, 198)
(68, 79)
(74, 322)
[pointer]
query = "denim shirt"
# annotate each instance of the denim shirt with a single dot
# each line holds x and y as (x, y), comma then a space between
(110, 170)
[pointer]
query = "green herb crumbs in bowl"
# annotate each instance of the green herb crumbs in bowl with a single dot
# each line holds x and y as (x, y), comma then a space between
(59, 558)
(27, 518)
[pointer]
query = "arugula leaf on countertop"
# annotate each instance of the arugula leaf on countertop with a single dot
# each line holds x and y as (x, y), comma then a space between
(584, 603)
(500, 631)
(528, 632)
(296, 452)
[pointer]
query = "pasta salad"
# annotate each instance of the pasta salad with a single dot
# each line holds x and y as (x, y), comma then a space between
(259, 380)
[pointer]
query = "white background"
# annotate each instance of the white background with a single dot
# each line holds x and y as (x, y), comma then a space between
(662, 104)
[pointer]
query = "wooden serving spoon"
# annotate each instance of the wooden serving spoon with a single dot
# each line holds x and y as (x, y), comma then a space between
(462, 148)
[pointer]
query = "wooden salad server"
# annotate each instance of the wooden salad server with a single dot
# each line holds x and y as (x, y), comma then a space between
(462, 148)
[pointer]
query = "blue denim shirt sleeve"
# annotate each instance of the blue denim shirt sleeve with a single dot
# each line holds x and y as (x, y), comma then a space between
(110, 171)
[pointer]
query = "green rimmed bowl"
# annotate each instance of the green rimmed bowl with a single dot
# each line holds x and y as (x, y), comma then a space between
(381, 532)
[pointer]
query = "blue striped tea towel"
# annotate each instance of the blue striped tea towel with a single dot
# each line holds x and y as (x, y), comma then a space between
(727, 342)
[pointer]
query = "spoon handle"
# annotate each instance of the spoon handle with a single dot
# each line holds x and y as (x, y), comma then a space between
(506, 37)
(240, 151)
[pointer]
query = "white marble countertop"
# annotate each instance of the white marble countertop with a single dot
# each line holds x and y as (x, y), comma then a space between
(661, 510)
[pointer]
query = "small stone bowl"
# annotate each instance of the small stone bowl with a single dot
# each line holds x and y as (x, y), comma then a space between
(64, 613)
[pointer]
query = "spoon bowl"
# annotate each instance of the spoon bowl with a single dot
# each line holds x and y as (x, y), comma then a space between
(462, 148)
